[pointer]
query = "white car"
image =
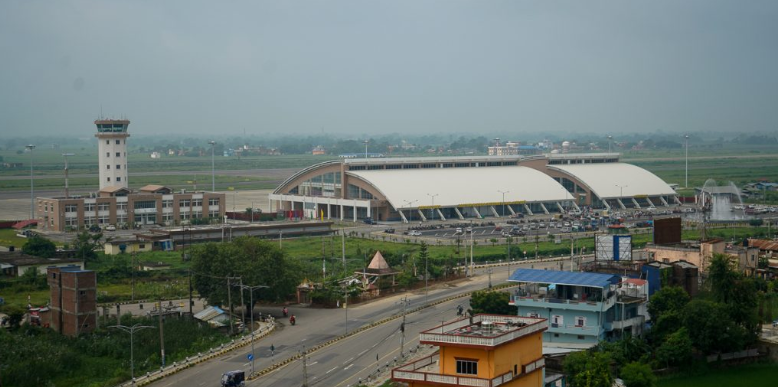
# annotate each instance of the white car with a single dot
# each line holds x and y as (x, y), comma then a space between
(414, 233)
(110, 227)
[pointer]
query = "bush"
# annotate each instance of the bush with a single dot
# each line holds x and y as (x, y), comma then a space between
(638, 375)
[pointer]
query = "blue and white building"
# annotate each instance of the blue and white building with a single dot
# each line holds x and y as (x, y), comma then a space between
(582, 308)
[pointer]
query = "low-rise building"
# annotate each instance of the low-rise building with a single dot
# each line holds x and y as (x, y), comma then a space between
(73, 300)
(697, 253)
(126, 245)
(150, 205)
(582, 308)
(15, 264)
(485, 350)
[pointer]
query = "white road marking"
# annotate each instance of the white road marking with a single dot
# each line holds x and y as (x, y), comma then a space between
(349, 366)
(362, 353)
(333, 369)
(348, 361)
(316, 362)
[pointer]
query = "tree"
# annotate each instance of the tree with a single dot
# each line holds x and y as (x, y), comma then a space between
(667, 299)
(636, 374)
(39, 247)
(676, 350)
(722, 277)
(424, 257)
(85, 245)
(492, 302)
(587, 369)
(256, 262)
(710, 327)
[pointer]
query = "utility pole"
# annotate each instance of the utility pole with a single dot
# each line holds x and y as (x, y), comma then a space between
(242, 304)
(191, 315)
(229, 303)
(132, 276)
(305, 368)
(472, 266)
(405, 302)
(489, 270)
(65, 155)
(161, 333)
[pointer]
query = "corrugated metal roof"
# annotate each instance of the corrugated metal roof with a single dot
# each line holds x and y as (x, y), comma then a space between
(564, 278)
(209, 313)
(463, 186)
(613, 180)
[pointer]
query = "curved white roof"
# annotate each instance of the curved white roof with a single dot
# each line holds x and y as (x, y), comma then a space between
(463, 186)
(604, 179)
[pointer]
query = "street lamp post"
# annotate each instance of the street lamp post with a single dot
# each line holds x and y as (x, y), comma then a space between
(432, 213)
(621, 190)
(131, 330)
(65, 155)
(32, 184)
(366, 142)
(503, 201)
(408, 204)
(213, 173)
(686, 145)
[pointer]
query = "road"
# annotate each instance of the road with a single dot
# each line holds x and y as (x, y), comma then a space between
(343, 362)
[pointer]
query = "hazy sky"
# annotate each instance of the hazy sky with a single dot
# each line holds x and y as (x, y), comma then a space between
(407, 66)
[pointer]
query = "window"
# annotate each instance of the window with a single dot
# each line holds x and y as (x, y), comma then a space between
(141, 246)
(118, 166)
(108, 179)
(107, 154)
(71, 208)
(82, 292)
(89, 206)
(197, 202)
(118, 154)
(118, 179)
(184, 203)
(213, 201)
(102, 206)
(533, 314)
(557, 321)
(118, 142)
(467, 367)
(580, 337)
(167, 204)
(144, 204)
(580, 321)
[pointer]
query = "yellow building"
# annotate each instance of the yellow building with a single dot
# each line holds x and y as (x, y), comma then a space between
(487, 351)
(128, 246)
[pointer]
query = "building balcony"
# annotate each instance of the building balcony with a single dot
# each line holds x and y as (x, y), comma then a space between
(630, 322)
(541, 301)
(428, 370)
(586, 330)
(486, 330)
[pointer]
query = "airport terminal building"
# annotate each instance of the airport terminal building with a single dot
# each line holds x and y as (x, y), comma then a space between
(426, 188)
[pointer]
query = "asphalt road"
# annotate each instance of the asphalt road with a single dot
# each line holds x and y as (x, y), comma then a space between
(341, 363)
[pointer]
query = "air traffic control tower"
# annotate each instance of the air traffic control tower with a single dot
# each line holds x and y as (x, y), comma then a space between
(112, 139)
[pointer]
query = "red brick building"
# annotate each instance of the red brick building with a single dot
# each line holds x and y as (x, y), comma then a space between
(73, 300)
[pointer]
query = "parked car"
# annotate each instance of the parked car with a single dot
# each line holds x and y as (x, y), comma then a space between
(110, 227)
(94, 228)
(389, 231)
(458, 231)
(414, 233)
(469, 230)
(497, 228)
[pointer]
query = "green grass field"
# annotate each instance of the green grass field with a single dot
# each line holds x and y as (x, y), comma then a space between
(750, 375)
(8, 238)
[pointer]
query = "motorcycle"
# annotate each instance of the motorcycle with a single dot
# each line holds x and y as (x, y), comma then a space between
(292, 320)
(285, 312)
